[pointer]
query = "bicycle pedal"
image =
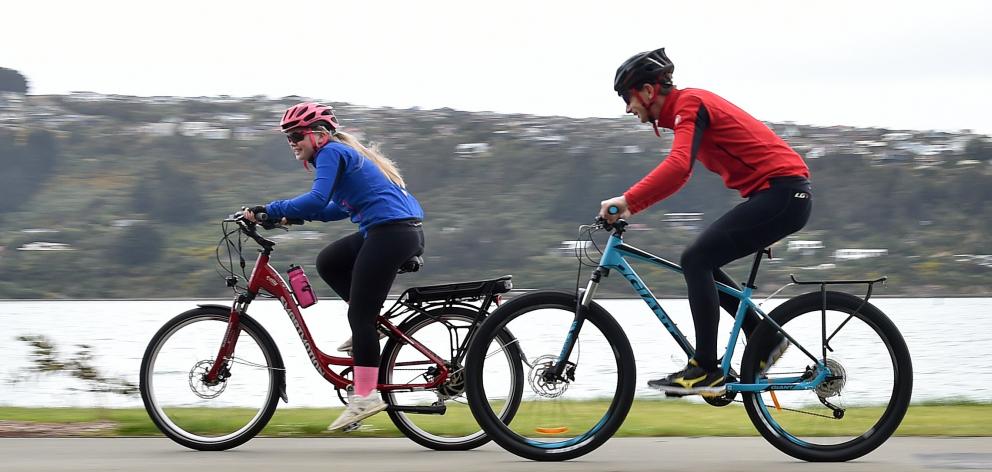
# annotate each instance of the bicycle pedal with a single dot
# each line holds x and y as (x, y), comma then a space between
(352, 427)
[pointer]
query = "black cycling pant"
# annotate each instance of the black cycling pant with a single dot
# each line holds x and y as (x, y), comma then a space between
(766, 217)
(361, 270)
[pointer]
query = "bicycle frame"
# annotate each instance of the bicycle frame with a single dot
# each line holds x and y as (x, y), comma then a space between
(614, 258)
(264, 277)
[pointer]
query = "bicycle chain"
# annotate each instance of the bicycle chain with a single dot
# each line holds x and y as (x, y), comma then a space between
(797, 411)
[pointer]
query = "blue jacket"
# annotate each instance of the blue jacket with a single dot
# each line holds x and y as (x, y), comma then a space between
(359, 191)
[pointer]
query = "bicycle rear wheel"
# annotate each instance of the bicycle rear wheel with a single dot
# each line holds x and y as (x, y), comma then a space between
(446, 332)
(865, 395)
(210, 416)
(559, 418)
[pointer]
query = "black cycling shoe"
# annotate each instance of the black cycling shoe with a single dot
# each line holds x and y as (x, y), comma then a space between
(779, 346)
(693, 380)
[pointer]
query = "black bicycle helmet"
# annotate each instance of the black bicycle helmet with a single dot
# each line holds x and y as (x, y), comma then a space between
(649, 67)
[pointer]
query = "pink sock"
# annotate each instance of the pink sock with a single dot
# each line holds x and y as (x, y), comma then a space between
(365, 379)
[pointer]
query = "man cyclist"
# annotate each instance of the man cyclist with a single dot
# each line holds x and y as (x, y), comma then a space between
(750, 158)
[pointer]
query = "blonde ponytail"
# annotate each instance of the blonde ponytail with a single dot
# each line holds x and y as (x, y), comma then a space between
(372, 152)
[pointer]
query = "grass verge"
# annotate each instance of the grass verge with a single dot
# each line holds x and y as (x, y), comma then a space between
(646, 418)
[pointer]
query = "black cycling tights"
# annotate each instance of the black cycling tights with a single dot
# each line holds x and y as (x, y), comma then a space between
(361, 271)
(766, 217)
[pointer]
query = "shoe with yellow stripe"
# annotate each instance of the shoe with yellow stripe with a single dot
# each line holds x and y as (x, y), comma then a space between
(693, 380)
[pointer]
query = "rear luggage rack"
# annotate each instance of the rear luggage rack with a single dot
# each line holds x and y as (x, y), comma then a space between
(463, 291)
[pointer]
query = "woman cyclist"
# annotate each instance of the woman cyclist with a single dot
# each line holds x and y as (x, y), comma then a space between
(750, 158)
(357, 182)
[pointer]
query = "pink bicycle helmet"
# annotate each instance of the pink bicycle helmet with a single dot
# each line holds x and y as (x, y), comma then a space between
(303, 115)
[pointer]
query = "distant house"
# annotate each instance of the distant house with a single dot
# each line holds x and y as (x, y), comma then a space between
(634, 149)
(45, 246)
(159, 129)
(684, 220)
(805, 248)
(816, 152)
(471, 149)
(203, 130)
(124, 223)
(87, 97)
(896, 136)
(234, 117)
(850, 254)
(554, 139)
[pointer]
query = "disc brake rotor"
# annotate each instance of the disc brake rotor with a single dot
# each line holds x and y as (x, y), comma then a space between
(542, 383)
(198, 384)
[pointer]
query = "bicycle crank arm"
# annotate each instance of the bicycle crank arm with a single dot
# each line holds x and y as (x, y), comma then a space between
(419, 410)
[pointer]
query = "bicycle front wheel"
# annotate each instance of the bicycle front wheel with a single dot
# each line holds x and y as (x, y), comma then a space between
(202, 415)
(560, 417)
(440, 418)
(867, 389)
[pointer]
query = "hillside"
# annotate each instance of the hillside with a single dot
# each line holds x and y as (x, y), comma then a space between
(110, 196)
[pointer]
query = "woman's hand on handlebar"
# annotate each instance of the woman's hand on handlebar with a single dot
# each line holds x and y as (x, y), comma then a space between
(249, 213)
(614, 209)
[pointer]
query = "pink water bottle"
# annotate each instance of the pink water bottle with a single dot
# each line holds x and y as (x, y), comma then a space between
(300, 285)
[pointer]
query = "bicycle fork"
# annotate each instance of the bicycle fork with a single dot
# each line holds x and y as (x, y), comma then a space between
(583, 299)
(219, 371)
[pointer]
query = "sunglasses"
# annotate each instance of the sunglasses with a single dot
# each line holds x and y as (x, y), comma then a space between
(626, 96)
(297, 136)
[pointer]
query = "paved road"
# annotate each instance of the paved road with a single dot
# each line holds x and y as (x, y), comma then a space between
(401, 455)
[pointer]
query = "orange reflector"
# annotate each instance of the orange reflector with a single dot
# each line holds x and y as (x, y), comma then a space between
(775, 400)
(554, 430)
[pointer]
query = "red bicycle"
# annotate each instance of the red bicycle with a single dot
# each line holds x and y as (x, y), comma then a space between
(211, 377)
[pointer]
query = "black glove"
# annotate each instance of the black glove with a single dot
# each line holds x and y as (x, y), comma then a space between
(261, 214)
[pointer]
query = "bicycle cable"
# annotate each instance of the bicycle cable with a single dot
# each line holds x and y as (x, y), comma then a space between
(232, 247)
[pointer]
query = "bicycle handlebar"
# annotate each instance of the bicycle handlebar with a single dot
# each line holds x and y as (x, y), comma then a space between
(261, 219)
(248, 226)
(617, 226)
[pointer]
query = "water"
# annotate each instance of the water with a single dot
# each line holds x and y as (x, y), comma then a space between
(950, 340)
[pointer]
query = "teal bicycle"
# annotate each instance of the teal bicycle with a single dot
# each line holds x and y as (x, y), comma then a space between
(838, 392)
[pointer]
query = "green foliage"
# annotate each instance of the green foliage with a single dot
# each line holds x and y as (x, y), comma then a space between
(45, 359)
(25, 166)
(503, 211)
(12, 81)
(138, 246)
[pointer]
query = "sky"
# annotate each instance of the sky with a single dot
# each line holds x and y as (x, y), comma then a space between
(891, 64)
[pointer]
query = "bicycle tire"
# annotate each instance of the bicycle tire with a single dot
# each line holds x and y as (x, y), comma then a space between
(895, 408)
(190, 439)
(619, 405)
(403, 421)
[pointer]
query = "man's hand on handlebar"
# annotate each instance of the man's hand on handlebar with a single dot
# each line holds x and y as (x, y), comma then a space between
(614, 209)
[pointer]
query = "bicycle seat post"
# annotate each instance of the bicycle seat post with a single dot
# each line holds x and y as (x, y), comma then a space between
(754, 267)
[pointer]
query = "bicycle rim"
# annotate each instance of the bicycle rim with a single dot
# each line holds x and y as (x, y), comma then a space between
(189, 410)
(864, 397)
(444, 333)
(565, 417)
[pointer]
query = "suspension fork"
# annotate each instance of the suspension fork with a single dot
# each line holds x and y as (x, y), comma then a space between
(230, 340)
(582, 301)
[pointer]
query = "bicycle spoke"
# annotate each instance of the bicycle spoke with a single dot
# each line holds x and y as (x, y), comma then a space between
(865, 391)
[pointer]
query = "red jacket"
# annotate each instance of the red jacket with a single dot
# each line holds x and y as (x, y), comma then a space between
(724, 138)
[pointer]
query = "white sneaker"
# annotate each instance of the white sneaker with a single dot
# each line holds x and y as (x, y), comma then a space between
(346, 345)
(358, 409)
